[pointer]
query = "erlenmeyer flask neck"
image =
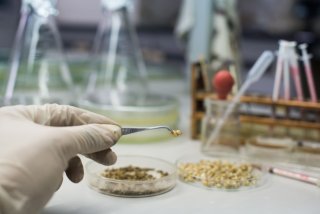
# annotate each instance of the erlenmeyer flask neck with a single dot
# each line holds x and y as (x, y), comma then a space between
(114, 5)
(42, 8)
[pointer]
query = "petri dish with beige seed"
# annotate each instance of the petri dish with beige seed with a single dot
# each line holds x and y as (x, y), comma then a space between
(132, 176)
(221, 172)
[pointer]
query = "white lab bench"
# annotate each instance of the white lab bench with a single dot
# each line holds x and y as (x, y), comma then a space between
(278, 195)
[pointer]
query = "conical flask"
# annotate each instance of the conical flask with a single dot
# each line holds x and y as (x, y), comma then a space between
(38, 70)
(118, 84)
(118, 69)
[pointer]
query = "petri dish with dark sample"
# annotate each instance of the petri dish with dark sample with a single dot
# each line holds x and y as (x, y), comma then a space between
(132, 177)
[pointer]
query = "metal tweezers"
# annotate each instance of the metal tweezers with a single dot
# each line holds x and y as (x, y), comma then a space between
(126, 131)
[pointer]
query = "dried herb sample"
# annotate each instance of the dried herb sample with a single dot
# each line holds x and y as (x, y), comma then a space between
(133, 173)
(134, 181)
(218, 174)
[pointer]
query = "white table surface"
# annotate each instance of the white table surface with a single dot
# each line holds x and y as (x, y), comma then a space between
(278, 195)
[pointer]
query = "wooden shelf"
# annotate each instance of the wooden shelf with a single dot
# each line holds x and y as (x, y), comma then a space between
(199, 115)
(198, 110)
(281, 102)
(279, 122)
(265, 101)
(202, 95)
(270, 121)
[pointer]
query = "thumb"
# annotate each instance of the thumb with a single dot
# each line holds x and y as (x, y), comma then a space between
(90, 138)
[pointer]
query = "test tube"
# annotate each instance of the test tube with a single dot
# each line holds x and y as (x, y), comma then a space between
(286, 76)
(293, 61)
(307, 67)
(295, 175)
(279, 70)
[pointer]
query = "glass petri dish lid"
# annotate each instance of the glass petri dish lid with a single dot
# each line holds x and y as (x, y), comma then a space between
(221, 171)
(271, 142)
(162, 177)
(269, 149)
(130, 101)
(33, 100)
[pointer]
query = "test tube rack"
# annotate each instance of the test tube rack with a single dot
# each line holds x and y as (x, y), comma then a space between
(305, 126)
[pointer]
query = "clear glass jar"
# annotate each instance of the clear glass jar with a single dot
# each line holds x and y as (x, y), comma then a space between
(228, 140)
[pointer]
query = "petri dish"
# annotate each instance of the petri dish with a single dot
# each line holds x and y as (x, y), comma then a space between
(133, 188)
(30, 100)
(221, 172)
(307, 154)
(135, 110)
(269, 148)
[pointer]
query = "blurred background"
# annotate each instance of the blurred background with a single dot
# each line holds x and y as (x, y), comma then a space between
(164, 30)
(147, 63)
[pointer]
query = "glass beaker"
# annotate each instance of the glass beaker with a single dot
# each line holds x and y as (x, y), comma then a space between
(38, 70)
(228, 139)
(118, 66)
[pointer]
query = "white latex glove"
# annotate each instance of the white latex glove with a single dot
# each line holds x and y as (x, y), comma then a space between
(39, 143)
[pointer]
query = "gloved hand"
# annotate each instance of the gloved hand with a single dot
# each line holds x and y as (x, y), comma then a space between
(39, 143)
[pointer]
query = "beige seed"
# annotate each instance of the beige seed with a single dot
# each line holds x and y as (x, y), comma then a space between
(218, 174)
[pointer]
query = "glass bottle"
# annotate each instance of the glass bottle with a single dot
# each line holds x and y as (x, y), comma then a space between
(228, 139)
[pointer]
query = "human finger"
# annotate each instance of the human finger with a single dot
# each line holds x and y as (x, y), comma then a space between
(87, 139)
(106, 157)
(74, 170)
(58, 115)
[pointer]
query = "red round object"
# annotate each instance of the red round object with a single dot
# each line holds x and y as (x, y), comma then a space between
(222, 83)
